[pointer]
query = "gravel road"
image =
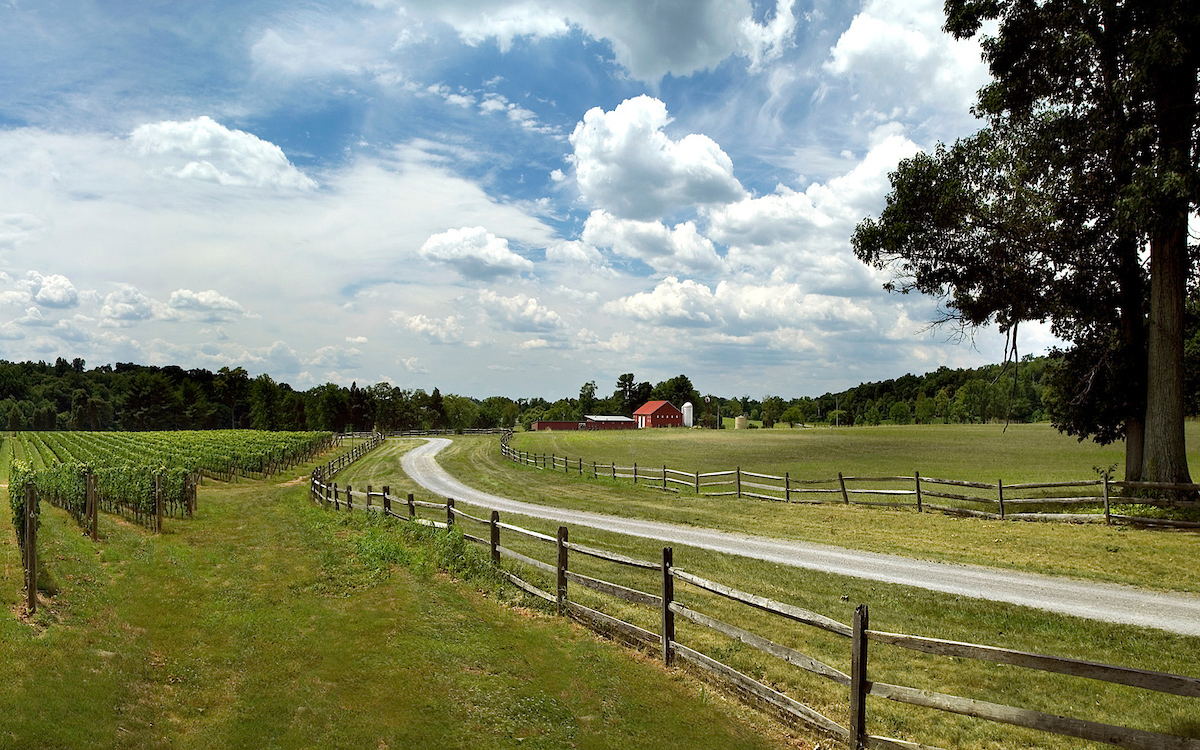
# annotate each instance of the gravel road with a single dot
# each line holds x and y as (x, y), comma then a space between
(1179, 613)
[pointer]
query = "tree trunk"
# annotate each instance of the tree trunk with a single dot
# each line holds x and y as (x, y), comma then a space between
(1133, 336)
(1165, 458)
(1165, 454)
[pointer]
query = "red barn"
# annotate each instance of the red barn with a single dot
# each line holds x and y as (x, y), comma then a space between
(658, 414)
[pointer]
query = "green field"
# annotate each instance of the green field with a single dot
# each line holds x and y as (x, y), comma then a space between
(1099, 552)
(1117, 553)
(984, 453)
(268, 622)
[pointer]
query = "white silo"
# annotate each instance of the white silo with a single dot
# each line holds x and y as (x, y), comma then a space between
(688, 420)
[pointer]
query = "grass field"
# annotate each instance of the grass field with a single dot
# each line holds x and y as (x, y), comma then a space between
(267, 622)
(983, 453)
(1153, 559)
(894, 608)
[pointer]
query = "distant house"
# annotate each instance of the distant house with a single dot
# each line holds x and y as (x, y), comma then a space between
(600, 422)
(547, 424)
(658, 414)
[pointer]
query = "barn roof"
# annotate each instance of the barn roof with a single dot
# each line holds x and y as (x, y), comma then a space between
(653, 407)
(607, 418)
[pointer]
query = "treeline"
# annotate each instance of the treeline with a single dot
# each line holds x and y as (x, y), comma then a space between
(1017, 392)
(68, 396)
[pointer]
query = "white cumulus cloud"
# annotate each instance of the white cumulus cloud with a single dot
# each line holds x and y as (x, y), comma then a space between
(650, 40)
(54, 290)
(626, 164)
(209, 304)
(214, 153)
(519, 312)
(127, 306)
(475, 253)
(678, 249)
(437, 330)
(897, 52)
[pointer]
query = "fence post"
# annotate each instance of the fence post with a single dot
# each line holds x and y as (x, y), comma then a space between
(1107, 517)
(412, 508)
(845, 495)
(337, 503)
(668, 596)
(449, 513)
(697, 481)
(494, 528)
(31, 561)
(349, 499)
(917, 479)
(368, 497)
(92, 503)
(634, 472)
(387, 499)
(858, 679)
(581, 466)
(664, 476)
(561, 594)
(738, 473)
(787, 487)
(1000, 496)
(158, 503)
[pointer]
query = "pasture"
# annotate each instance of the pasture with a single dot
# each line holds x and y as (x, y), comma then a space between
(983, 453)
(1153, 559)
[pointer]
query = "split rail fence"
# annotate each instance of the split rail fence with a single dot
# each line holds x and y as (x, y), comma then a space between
(1092, 499)
(856, 682)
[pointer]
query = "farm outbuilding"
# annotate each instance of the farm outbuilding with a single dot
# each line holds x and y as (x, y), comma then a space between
(658, 414)
(547, 424)
(604, 422)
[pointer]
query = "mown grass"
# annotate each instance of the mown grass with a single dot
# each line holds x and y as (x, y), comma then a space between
(982, 453)
(1152, 559)
(268, 622)
(894, 608)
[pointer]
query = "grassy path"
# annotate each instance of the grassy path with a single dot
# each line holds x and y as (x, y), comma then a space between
(265, 622)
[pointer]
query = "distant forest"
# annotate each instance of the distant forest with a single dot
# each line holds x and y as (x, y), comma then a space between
(68, 396)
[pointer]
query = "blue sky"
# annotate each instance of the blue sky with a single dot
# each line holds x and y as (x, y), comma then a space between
(494, 198)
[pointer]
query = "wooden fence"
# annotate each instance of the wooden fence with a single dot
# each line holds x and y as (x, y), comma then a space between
(358, 451)
(449, 431)
(856, 682)
(1082, 501)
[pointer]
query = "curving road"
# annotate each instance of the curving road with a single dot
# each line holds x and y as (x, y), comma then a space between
(1179, 613)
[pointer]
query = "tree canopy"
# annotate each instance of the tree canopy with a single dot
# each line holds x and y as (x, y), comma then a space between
(1088, 159)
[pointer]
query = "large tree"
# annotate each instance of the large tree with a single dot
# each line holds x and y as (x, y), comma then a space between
(1098, 101)
(1130, 71)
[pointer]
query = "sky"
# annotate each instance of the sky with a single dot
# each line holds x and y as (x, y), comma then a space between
(505, 197)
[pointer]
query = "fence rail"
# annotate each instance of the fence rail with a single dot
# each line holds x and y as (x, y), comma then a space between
(1090, 503)
(666, 641)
